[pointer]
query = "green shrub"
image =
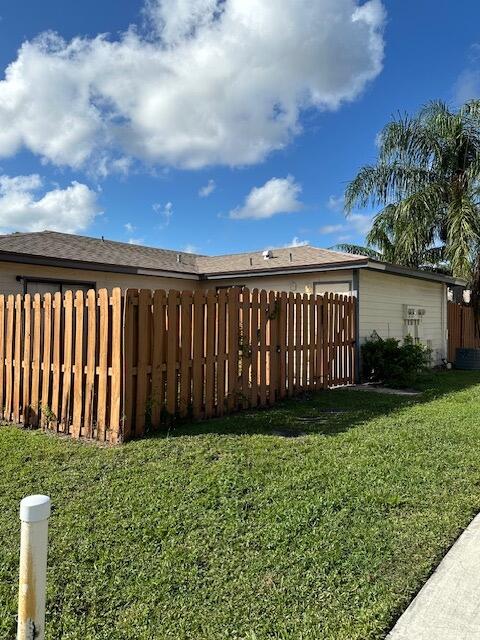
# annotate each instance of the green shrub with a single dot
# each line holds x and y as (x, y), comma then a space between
(392, 363)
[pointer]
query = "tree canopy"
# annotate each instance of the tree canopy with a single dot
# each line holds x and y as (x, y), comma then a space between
(426, 179)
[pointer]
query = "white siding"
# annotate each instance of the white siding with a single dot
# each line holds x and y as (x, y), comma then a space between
(382, 297)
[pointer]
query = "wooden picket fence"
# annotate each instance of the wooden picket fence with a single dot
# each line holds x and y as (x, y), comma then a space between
(112, 366)
(461, 329)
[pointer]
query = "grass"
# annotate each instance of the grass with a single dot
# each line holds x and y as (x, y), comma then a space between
(227, 530)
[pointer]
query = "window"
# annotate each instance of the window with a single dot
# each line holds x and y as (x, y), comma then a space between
(51, 285)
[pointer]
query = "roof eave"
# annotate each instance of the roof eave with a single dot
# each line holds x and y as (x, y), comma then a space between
(66, 263)
(333, 266)
(386, 267)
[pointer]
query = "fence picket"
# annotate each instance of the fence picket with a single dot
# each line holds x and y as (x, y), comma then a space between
(17, 362)
(78, 366)
(67, 362)
(254, 342)
(210, 354)
(10, 332)
(57, 327)
(90, 374)
(305, 338)
(311, 341)
(318, 342)
(129, 380)
(46, 360)
(2, 355)
(298, 342)
(36, 359)
(291, 344)
(102, 365)
(263, 348)
(27, 356)
(116, 378)
(282, 345)
(245, 348)
(222, 351)
(273, 319)
(172, 352)
(185, 379)
(198, 352)
(233, 297)
(158, 355)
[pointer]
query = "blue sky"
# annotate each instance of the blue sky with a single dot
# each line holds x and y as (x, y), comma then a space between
(129, 160)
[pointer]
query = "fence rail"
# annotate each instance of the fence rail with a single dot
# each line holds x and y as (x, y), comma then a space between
(113, 366)
(461, 329)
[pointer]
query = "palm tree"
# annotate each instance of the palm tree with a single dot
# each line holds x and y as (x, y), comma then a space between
(427, 181)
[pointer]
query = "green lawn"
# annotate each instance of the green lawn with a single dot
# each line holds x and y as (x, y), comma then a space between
(229, 530)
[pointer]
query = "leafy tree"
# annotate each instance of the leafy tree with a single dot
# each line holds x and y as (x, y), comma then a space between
(427, 181)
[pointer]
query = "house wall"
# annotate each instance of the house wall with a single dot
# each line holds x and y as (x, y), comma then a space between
(103, 279)
(297, 283)
(381, 301)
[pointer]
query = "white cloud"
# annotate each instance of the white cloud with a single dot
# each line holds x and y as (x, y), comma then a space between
(328, 229)
(296, 242)
(208, 82)
(208, 189)
(129, 227)
(335, 203)
(360, 222)
(136, 241)
(357, 224)
(26, 206)
(278, 195)
(165, 211)
(467, 86)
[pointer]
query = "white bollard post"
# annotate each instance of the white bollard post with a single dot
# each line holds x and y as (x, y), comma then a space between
(34, 514)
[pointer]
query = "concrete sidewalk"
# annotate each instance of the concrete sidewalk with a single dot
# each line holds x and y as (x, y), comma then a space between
(448, 606)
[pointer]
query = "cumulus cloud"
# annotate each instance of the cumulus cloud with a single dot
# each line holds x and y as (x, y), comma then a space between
(208, 189)
(208, 82)
(357, 224)
(278, 195)
(26, 206)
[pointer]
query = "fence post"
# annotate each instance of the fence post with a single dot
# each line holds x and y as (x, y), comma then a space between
(34, 514)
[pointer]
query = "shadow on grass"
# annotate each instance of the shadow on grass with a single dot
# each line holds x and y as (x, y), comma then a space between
(326, 413)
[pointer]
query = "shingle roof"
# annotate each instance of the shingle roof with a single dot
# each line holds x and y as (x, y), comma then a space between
(63, 246)
(289, 257)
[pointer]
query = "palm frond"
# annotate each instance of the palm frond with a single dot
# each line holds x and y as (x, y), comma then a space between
(427, 181)
(384, 183)
(357, 250)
